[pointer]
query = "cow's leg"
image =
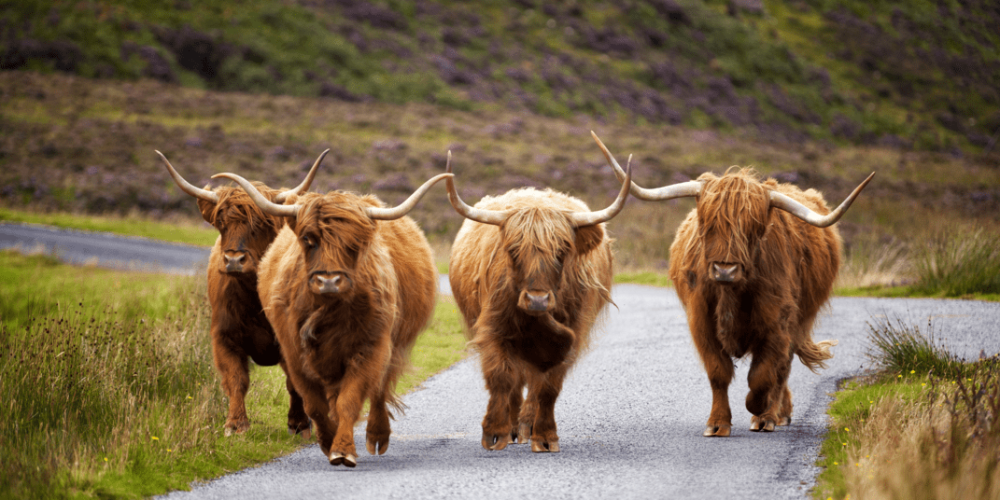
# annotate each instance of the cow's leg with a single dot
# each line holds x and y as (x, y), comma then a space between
(315, 403)
(325, 428)
(501, 379)
(517, 433)
(377, 434)
(546, 388)
(720, 371)
(767, 379)
(358, 383)
(785, 411)
(234, 370)
(298, 421)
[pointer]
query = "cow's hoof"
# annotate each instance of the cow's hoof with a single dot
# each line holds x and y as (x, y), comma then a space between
(236, 427)
(545, 446)
(758, 424)
(523, 434)
(717, 431)
(377, 446)
(304, 433)
(348, 460)
(495, 442)
(229, 431)
(785, 421)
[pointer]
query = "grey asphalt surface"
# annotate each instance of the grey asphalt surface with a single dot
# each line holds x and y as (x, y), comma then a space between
(630, 415)
(105, 250)
(630, 419)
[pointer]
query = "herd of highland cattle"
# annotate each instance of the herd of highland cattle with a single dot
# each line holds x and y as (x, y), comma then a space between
(336, 287)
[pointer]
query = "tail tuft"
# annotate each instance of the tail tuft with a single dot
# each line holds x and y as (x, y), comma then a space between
(813, 354)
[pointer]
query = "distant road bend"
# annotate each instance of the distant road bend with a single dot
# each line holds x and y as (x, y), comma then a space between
(105, 249)
(630, 415)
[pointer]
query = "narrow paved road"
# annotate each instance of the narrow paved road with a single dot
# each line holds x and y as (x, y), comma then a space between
(630, 416)
(104, 249)
(630, 420)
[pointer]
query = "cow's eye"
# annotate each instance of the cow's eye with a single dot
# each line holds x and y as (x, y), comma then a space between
(308, 241)
(561, 256)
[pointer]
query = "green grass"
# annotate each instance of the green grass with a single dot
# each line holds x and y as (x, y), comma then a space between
(189, 233)
(908, 291)
(652, 278)
(110, 391)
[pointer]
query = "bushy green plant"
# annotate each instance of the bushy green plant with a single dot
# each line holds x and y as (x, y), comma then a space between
(960, 262)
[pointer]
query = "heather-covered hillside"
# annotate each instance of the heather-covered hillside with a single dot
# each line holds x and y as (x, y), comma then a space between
(914, 75)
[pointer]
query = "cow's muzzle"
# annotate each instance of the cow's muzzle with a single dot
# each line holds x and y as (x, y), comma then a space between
(323, 282)
(726, 272)
(536, 301)
(237, 261)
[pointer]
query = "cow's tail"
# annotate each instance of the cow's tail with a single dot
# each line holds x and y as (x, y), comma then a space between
(812, 354)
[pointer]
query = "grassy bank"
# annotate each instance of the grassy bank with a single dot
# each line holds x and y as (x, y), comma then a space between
(924, 426)
(110, 389)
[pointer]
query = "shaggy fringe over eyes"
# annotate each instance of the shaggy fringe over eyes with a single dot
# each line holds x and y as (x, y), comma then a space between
(734, 205)
(340, 223)
(238, 200)
(550, 235)
(538, 229)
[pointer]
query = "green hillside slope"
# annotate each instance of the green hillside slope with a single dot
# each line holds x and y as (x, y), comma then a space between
(914, 75)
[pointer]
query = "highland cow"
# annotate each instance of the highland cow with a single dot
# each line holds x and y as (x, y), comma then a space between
(530, 271)
(239, 328)
(348, 285)
(752, 280)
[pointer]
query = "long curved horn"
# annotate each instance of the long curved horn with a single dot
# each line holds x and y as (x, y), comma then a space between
(301, 188)
(482, 216)
(584, 219)
(266, 205)
(186, 186)
(405, 207)
(803, 212)
(680, 190)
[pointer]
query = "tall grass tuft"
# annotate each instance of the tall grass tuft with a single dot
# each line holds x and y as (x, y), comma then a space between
(900, 348)
(872, 261)
(960, 262)
(91, 388)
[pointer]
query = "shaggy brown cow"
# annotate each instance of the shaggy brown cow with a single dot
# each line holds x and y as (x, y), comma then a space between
(348, 285)
(752, 280)
(239, 328)
(530, 271)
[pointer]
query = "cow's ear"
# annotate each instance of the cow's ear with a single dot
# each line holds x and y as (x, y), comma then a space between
(588, 238)
(207, 210)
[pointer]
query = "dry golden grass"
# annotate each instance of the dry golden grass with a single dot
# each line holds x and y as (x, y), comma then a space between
(920, 450)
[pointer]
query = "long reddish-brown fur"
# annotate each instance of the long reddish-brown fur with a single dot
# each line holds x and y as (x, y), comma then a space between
(788, 269)
(344, 349)
(239, 329)
(536, 247)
